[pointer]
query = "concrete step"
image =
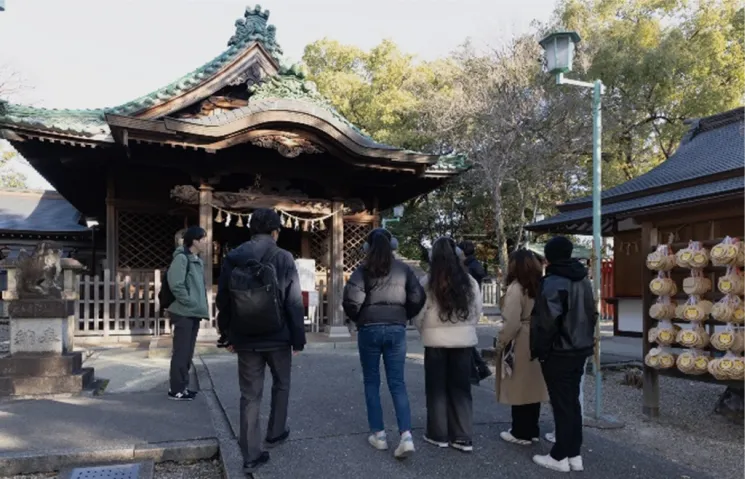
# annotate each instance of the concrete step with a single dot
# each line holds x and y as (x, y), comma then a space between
(39, 385)
(40, 365)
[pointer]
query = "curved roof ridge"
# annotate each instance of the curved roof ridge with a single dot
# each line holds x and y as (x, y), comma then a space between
(253, 27)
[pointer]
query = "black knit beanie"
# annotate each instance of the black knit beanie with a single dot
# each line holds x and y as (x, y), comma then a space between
(558, 249)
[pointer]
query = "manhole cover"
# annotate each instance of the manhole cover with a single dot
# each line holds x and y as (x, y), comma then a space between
(120, 471)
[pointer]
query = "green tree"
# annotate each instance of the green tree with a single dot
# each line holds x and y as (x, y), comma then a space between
(9, 177)
(663, 62)
(378, 91)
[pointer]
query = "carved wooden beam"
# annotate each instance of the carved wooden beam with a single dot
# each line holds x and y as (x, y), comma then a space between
(249, 201)
(288, 145)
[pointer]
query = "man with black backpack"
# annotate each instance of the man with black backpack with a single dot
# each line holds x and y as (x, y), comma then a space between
(261, 318)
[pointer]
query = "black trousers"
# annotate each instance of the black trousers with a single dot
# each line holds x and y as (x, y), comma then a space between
(447, 373)
(251, 367)
(563, 375)
(525, 421)
(185, 330)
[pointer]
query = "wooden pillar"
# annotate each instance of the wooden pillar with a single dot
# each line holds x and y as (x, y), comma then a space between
(112, 229)
(651, 393)
(336, 328)
(205, 221)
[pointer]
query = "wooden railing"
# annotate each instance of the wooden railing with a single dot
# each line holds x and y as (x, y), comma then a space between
(490, 294)
(123, 305)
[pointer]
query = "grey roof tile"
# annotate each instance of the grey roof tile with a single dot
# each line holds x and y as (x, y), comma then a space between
(713, 145)
(584, 215)
(42, 211)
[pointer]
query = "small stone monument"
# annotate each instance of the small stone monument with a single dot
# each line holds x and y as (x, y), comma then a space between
(41, 299)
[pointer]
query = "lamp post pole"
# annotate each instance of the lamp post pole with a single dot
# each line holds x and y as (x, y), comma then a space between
(597, 129)
(559, 49)
(597, 255)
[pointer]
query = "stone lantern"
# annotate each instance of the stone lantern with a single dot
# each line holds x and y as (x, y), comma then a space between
(41, 296)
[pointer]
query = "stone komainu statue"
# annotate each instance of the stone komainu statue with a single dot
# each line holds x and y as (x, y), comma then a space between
(39, 274)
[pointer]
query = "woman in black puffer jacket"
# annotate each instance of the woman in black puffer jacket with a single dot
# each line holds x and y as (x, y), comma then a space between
(381, 296)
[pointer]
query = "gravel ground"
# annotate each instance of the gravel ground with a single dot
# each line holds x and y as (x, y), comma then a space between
(687, 431)
(210, 469)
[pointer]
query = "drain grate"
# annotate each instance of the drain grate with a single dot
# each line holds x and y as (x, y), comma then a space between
(121, 471)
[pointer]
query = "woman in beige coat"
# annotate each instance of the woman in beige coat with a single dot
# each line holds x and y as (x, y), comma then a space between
(520, 382)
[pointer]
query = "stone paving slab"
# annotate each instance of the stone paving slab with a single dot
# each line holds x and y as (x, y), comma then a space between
(79, 422)
(329, 429)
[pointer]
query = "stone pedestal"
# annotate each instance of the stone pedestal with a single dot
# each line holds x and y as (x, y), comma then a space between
(41, 299)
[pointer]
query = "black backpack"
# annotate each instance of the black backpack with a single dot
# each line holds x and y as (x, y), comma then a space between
(254, 297)
(165, 295)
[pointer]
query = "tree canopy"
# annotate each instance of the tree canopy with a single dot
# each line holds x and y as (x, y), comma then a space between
(662, 62)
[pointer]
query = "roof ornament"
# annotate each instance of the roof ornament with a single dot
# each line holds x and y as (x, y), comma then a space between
(253, 27)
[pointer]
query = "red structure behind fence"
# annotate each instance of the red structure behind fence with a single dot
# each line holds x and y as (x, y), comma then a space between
(606, 270)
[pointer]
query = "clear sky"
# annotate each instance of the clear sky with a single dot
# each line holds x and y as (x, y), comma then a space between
(99, 53)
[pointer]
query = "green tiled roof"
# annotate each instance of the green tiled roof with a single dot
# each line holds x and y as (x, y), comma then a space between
(454, 162)
(251, 28)
(292, 84)
(89, 123)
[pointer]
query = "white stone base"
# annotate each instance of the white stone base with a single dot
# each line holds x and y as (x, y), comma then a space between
(338, 332)
(40, 335)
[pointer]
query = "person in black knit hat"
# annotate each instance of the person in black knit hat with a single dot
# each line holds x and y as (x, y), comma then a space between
(562, 338)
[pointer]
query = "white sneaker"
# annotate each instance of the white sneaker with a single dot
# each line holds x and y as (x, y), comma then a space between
(378, 441)
(435, 443)
(551, 437)
(405, 447)
(507, 436)
(575, 464)
(550, 463)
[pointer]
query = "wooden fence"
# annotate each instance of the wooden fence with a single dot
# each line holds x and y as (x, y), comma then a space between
(490, 294)
(123, 305)
(128, 305)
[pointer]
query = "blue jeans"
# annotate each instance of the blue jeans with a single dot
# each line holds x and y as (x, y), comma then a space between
(388, 340)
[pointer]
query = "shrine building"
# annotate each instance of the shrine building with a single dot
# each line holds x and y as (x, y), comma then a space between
(238, 133)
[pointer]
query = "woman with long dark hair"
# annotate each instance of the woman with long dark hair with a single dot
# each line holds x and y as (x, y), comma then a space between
(381, 296)
(447, 324)
(519, 379)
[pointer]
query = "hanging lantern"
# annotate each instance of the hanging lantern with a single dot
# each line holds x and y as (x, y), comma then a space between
(219, 218)
(227, 220)
(239, 223)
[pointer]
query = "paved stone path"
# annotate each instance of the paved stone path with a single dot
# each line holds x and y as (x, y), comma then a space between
(329, 431)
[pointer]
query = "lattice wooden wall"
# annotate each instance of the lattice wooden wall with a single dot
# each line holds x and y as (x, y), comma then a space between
(319, 249)
(146, 239)
(354, 236)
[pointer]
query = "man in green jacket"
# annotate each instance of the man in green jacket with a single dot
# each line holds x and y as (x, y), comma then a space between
(186, 281)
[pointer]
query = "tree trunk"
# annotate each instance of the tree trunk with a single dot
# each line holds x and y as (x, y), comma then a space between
(521, 228)
(499, 220)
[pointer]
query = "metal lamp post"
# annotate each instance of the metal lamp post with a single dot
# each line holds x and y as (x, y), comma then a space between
(398, 212)
(559, 48)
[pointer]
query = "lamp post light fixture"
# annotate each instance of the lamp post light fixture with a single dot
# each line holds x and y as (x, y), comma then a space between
(398, 212)
(559, 48)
